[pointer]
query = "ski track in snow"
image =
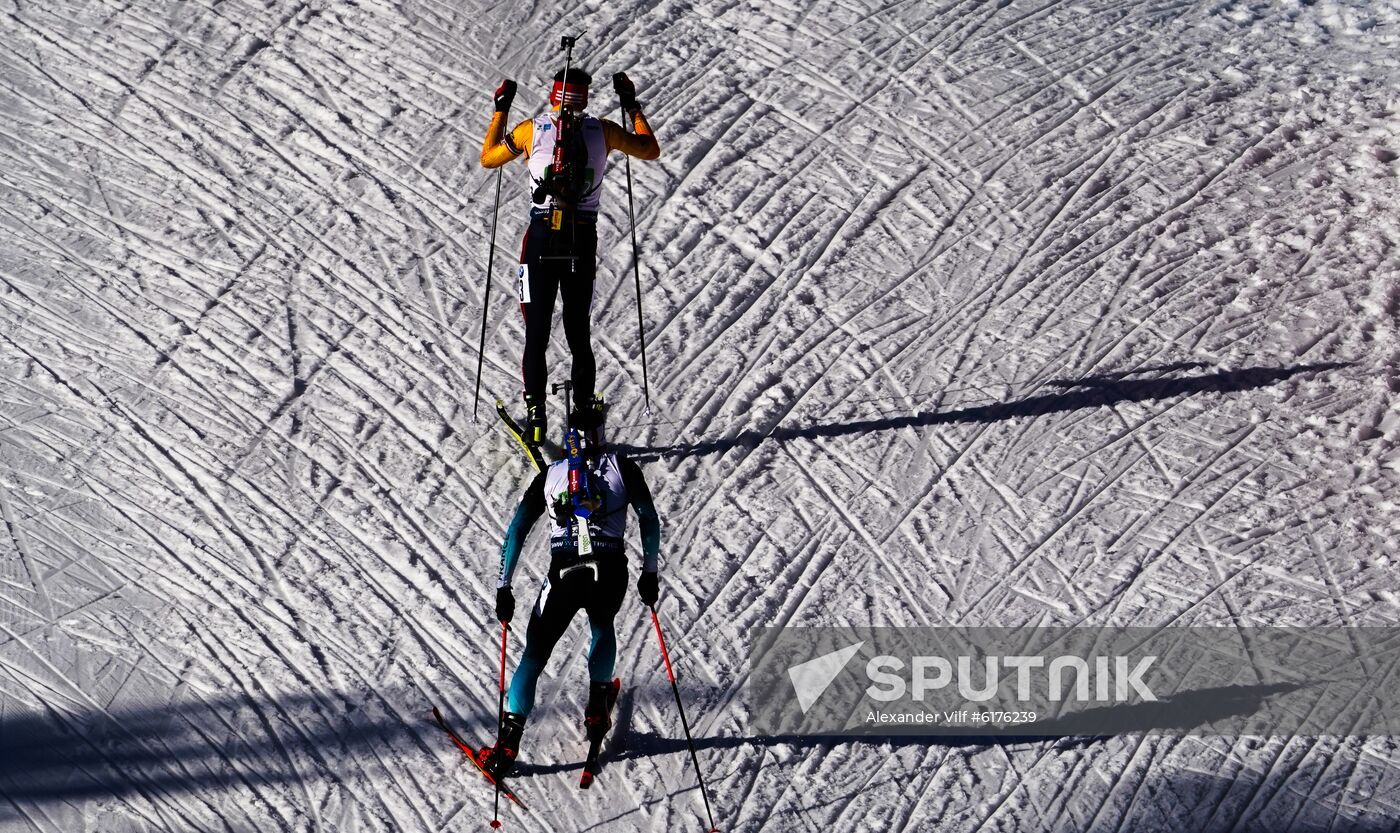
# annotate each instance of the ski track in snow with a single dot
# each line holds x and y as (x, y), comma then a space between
(969, 313)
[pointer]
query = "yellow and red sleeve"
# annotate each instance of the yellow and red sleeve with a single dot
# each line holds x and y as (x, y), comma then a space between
(500, 147)
(641, 143)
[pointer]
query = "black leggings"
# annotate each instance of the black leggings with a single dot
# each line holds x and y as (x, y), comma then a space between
(541, 277)
(559, 600)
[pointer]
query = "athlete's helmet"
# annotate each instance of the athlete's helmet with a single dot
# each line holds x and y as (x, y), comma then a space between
(588, 421)
(574, 91)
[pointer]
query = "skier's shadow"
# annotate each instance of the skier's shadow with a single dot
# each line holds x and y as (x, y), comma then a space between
(1201, 710)
(1076, 394)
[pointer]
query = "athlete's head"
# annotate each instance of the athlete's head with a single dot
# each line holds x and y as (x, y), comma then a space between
(574, 91)
(588, 424)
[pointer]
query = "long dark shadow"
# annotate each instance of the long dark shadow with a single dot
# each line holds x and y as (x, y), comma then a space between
(237, 745)
(227, 743)
(1183, 713)
(1089, 392)
(1113, 376)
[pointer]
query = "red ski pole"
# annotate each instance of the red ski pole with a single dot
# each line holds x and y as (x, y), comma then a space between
(500, 720)
(675, 689)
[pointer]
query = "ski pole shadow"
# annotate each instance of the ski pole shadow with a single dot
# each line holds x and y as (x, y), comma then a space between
(1075, 394)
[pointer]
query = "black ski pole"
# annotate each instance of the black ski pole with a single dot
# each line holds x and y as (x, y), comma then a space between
(637, 279)
(486, 298)
(500, 721)
(568, 388)
(675, 689)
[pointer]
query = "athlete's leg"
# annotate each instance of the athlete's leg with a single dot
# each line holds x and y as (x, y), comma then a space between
(602, 606)
(537, 285)
(576, 289)
(549, 619)
(602, 651)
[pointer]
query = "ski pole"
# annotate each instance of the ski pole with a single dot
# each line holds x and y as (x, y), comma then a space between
(567, 386)
(637, 279)
(500, 721)
(675, 689)
(486, 299)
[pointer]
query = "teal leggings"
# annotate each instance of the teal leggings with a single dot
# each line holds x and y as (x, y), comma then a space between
(550, 618)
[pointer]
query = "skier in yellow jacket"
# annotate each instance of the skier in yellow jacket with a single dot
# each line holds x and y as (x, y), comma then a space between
(566, 154)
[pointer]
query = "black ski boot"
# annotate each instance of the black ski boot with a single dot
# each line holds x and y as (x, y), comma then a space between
(535, 422)
(593, 405)
(499, 760)
(597, 716)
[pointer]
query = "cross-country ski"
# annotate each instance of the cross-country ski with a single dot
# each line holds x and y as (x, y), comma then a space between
(479, 760)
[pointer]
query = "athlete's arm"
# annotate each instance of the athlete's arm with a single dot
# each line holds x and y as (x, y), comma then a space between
(640, 497)
(500, 147)
(641, 143)
(530, 509)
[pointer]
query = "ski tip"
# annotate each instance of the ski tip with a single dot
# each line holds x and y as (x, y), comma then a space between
(585, 781)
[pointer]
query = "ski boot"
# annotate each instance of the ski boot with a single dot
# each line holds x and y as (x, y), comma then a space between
(597, 715)
(535, 421)
(499, 760)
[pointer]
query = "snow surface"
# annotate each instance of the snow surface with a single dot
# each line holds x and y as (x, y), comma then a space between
(960, 312)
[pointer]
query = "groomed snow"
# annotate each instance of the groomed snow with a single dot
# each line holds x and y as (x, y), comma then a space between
(967, 313)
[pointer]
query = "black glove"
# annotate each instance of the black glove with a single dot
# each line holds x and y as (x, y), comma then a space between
(648, 588)
(626, 91)
(505, 94)
(505, 604)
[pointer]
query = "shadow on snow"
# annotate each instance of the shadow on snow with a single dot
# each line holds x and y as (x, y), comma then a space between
(235, 746)
(221, 744)
(1188, 711)
(1078, 394)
